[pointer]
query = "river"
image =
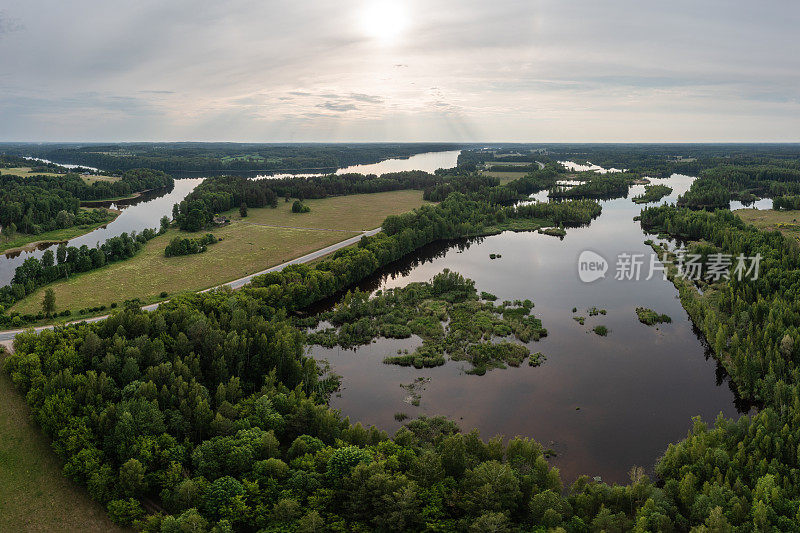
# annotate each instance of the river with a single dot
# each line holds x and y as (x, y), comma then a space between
(146, 211)
(603, 404)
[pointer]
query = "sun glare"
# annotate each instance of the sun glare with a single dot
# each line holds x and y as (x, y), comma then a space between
(384, 20)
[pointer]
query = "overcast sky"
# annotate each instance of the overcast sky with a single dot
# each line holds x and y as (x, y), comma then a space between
(382, 70)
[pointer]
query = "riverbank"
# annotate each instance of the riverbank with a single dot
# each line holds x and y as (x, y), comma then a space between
(22, 242)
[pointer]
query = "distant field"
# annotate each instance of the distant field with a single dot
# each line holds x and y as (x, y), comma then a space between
(28, 171)
(491, 164)
(35, 494)
(89, 178)
(787, 222)
(248, 245)
(504, 177)
(22, 240)
(25, 172)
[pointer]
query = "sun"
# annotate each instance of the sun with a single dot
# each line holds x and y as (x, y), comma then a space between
(384, 20)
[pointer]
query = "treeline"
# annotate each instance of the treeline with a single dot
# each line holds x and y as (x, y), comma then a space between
(786, 203)
(186, 246)
(68, 260)
(717, 186)
(652, 193)
(219, 194)
(748, 468)
(752, 323)
(224, 157)
(42, 203)
(603, 186)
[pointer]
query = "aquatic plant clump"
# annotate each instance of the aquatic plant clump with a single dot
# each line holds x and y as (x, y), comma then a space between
(445, 312)
(650, 317)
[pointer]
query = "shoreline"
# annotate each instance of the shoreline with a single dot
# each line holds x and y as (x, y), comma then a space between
(34, 245)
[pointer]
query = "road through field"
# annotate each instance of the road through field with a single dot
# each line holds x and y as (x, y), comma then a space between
(6, 337)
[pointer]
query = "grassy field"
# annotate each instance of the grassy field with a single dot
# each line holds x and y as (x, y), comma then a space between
(504, 177)
(23, 240)
(265, 238)
(89, 178)
(787, 222)
(490, 164)
(25, 172)
(35, 494)
(28, 171)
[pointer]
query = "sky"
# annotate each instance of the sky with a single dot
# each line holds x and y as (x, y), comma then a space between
(384, 70)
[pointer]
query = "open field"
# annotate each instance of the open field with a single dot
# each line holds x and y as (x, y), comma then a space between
(36, 496)
(28, 171)
(25, 172)
(265, 238)
(21, 241)
(787, 222)
(504, 177)
(490, 164)
(90, 178)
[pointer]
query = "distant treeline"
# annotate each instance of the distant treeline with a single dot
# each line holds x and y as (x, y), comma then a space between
(218, 194)
(654, 160)
(41, 203)
(223, 157)
(716, 187)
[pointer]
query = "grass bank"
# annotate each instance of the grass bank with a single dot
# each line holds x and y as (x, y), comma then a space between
(504, 177)
(36, 495)
(23, 241)
(265, 238)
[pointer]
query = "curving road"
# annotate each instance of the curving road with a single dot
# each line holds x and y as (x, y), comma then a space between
(7, 336)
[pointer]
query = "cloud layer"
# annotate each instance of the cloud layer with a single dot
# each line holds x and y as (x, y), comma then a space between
(467, 70)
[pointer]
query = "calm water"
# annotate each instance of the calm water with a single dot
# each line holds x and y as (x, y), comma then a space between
(146, 211)
(603, 404)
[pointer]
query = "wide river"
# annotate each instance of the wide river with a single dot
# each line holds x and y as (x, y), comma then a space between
(146, 211)
(603, 404)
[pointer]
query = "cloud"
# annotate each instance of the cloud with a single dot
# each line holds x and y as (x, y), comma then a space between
(9, 25)
(508, 70)
(366, 98)
(337, 106)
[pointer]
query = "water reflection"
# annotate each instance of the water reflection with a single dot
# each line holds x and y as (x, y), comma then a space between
(602, 403)
(137, 214)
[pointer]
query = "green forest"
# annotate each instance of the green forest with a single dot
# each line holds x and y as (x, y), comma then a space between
(41, 203)
(207, 414)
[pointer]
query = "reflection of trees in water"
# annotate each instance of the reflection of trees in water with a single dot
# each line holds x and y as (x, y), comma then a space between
(145, 196)
(401, 268)
(742, 405)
